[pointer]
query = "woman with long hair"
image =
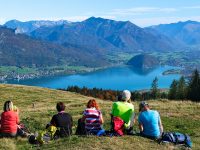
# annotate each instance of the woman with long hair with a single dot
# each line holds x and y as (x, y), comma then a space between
(9, 120)
(93, 118)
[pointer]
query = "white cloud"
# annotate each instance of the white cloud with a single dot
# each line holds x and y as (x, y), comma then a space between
(142, 10)
(191, 7)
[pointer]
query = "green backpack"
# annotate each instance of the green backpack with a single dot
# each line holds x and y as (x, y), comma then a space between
(46, 135)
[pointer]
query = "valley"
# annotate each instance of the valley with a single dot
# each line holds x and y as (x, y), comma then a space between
(49, 48)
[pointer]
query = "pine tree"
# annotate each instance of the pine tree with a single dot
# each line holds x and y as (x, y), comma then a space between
(181, 89)
(154, 89)
(194, 87)
(173, 90)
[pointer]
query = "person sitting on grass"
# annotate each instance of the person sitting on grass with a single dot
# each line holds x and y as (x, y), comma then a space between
(9, 120)
(93, 118)
(63, 121)
(150, 124)
(124, 109)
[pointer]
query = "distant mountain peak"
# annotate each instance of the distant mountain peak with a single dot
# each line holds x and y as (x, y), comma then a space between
(186, 32)
(29, 26)
(97, 20)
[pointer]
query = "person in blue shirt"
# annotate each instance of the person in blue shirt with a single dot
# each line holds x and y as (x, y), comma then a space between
(150, 124)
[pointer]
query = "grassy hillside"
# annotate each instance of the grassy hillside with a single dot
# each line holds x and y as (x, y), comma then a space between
(176, 116)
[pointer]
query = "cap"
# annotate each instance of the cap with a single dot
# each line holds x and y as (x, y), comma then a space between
(142, 105)
(126, 95)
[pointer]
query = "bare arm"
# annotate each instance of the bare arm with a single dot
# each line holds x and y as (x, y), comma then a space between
(160, 126)
(140, 127)
(101, 119)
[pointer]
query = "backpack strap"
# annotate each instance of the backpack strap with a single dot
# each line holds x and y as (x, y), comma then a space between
(186, 138)
(160, 140)
(176, 138)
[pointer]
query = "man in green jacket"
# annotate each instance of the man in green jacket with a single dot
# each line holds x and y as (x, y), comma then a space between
(125, 110)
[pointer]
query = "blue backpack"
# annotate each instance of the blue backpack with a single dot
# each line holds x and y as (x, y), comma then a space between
(176, 138)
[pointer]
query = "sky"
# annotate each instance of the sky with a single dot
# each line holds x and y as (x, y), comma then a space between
(140, 12)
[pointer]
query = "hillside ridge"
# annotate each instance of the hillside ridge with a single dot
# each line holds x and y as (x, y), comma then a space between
(181, 116)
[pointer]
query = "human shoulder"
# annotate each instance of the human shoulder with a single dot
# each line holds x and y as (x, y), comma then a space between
(67, 114)
(55, 116)
(116, 103)
(155, 112)
(91, 110)
(9, 113)
(130, 105)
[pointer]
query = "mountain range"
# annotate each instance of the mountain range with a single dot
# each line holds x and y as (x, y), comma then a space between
(29, 26)
(185, 32)
(22, 50)
(105, 35)
(90, 41)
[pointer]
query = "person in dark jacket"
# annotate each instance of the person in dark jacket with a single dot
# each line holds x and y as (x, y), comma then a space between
(63, 121)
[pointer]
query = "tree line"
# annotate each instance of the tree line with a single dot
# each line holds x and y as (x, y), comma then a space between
(181, 89)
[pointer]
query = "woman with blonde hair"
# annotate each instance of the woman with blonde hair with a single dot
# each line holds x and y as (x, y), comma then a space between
(9, 120)
(93, 118)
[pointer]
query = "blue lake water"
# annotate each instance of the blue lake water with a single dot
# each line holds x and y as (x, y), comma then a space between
(116, 78)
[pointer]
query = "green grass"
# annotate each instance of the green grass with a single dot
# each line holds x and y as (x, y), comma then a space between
(65, 67)
(9, 69)
(176, 116)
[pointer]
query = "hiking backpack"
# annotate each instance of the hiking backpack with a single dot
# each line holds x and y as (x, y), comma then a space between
(176, 138)
(118, 126)
(80, 130)
(44, 136)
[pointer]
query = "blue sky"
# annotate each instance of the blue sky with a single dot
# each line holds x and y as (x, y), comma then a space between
(140, 12)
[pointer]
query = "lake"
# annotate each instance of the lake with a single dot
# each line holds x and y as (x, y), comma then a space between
(116, 78)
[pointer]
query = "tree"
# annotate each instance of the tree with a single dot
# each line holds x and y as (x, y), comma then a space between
(181, 89)
(154, 89)
(173, 90)
(194, 87)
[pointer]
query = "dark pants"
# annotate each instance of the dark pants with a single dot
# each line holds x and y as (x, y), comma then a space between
(20, 132)
(148, 136)
(11, 135)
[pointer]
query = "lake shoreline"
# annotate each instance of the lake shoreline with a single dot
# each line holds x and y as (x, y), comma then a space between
(49, 73)
(112, 77)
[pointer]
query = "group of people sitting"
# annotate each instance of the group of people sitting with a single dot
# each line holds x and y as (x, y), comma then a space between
(123, 118)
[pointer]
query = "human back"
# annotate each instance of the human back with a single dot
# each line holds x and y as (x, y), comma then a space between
(150, 119)
(9, 120)
(124, 110)
(150, 124)
(92, 117)
(62, 120)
